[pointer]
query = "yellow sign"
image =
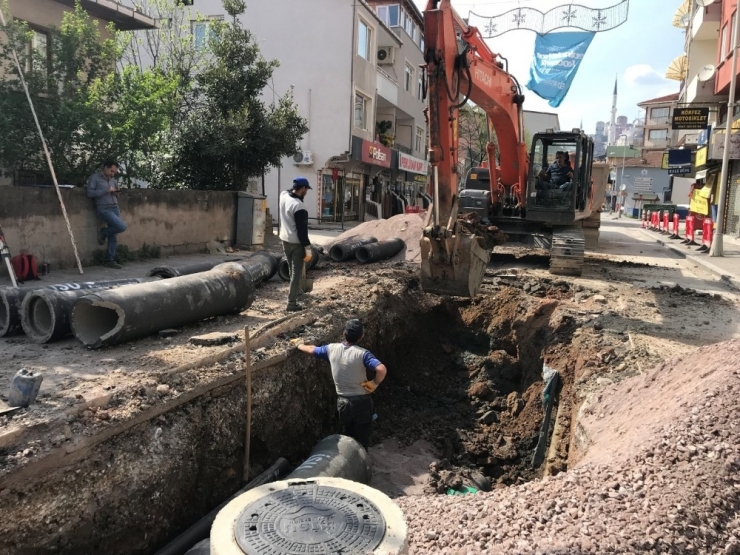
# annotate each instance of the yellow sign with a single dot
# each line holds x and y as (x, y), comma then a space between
(701, 157)
(699, 204)
(664, 163)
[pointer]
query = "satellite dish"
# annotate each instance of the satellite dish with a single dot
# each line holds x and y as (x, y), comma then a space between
(684, 21)
(706, 73)
(704, 3)
(623, 187)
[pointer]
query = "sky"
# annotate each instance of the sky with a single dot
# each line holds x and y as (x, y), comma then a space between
(637, 53)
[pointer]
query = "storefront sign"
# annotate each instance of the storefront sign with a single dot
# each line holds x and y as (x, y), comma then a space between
(411, 164)
(703, 137)
(420, 178)
(643, 184)
(376, 154)
(679, 170)
(701, 157)
(690, 118)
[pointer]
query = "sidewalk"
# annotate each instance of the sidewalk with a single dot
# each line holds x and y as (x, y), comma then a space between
(726, 267)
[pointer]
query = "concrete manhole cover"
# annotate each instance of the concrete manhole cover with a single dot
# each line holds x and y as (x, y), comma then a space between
(310, 518)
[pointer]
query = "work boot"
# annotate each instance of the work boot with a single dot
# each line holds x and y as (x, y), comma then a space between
(113, 264)
(294, 308)
(101, 236)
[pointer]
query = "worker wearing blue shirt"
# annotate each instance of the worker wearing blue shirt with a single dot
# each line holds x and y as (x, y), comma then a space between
(349, 366)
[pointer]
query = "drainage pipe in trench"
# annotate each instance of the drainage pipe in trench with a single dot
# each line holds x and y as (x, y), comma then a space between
(200, 530)
(284, 268)
(11, 299)
(46, 314)
(375, 252)
(130, 312)
(347, 249)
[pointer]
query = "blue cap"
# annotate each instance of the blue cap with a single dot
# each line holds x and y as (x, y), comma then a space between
(299, 182)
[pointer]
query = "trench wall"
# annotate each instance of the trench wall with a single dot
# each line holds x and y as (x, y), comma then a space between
(179, 222)
(132, 493)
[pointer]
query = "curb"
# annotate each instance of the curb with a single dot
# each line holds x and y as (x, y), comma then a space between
(732, 281)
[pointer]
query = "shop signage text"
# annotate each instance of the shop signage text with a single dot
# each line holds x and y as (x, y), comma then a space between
(376, 154)
(411, 164)
(690, 118)
(701, 157)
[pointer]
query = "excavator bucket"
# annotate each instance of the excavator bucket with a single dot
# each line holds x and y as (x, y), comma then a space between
(454, 265)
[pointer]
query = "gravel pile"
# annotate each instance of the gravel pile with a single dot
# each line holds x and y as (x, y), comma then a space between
(660, 474)
(406, 226)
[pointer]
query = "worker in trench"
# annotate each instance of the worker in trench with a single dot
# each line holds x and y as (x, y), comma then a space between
(350, 365)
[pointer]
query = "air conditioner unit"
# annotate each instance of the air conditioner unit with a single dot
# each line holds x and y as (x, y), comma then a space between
(386, 55)
(303, 158)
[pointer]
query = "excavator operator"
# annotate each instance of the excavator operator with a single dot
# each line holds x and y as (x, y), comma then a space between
(557, 174)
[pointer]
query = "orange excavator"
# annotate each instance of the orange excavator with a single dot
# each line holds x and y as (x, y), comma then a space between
(515, 196)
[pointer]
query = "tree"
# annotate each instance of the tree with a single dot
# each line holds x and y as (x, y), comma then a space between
(230, 135)
(473, 136)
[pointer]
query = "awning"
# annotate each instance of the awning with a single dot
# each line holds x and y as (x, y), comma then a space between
(677, 69)
(680, 18)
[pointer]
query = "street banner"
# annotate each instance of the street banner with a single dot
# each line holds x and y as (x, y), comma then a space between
(557, 57)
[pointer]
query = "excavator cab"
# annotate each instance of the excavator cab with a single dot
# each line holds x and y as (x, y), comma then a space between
(559, 184)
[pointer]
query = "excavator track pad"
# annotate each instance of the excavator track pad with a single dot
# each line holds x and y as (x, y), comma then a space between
(567, 252)
(453, 262)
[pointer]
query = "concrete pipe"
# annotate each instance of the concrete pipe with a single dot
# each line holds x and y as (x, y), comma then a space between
(11, 299)
(167, 272)
(262, 266)
(347, 249)
(284, 268)
(203, 547)
(135, 311)
(319, 515)
(336, 456)
(46, 314)
(379, 251)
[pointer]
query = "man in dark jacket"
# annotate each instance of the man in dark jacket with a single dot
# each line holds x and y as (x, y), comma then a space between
(294, 235)
(102, 187)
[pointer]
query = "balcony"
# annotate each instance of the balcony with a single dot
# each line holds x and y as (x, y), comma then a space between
(387, 88)
(706, 23)
(702, 91)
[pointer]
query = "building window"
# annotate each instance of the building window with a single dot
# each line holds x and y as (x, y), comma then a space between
(203, 31)
(362, 104)
(409, 76)
(658, 134)
(723, 44)
(421, 89)
(393, 15)
(419, 139)
(39, 54)
(364, 40)
(659, 115)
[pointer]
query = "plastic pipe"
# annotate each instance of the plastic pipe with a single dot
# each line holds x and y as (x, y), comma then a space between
(201, 529)
(336, 456)
(11, 299)
(284, 268)
(46, 314)
(347, 249)
(380, 251)
(134, 311)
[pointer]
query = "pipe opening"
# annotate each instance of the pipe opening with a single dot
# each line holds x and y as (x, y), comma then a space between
(93, 322)
(362, 255)
(41, 317)
(336, 253)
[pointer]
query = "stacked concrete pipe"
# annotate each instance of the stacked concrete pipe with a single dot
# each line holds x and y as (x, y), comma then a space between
(262, 266)
(284, 267)
(346, 250)
(375, 252)
(134, 311)
(11, 299)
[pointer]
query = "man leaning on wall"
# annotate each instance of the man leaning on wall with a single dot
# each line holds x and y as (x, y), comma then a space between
(103, 188)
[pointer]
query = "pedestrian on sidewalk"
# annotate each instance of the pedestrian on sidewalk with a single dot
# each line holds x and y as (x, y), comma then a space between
(103, 188)
(294, 235)
(349, 368)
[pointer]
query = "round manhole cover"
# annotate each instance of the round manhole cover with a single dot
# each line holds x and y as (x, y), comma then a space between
(310, 518)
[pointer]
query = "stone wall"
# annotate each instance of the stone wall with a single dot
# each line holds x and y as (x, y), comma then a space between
(178, 222)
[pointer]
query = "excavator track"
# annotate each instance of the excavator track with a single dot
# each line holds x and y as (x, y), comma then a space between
(566, 253)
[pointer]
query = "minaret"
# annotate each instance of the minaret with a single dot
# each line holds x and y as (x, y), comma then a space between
(613, 124)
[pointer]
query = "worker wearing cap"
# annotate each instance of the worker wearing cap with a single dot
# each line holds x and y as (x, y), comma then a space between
(349, 366)
(294, 235)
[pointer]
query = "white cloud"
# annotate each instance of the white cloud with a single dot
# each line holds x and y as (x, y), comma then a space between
(643, 75)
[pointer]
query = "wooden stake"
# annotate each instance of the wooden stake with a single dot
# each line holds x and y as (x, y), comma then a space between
(248, 359)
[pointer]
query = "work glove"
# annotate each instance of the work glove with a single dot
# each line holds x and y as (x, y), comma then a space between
(369, 386)
(307, 256)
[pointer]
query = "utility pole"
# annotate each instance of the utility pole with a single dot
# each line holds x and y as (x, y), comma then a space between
(717, 244)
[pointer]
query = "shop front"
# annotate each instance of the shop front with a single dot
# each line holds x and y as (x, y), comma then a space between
(412, 180)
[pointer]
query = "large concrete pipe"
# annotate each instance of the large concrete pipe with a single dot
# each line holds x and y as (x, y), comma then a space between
(375, 252)
(167, 272)
(262, 266)
(198, 532)
(46, 314)
(336, 456)
(11, 299)
(284, 267)
(347, 249)
(318, 515)
(133, 311)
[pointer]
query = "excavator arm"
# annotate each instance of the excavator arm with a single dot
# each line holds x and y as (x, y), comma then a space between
(455, 248)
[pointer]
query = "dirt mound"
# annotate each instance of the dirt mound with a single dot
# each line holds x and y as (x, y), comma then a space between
(659, 475)
(406, 226)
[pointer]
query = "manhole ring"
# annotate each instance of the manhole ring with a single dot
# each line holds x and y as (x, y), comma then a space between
(307, 517)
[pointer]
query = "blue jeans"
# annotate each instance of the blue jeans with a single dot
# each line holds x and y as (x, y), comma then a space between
(112, 216)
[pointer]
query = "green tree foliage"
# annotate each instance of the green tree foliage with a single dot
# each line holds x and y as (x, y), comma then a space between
(230, 134)
(473, 137)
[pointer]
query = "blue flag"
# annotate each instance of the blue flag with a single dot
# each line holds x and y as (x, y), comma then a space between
(556, 60)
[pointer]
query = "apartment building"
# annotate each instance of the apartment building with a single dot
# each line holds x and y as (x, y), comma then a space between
(355, 71)
(657, 132)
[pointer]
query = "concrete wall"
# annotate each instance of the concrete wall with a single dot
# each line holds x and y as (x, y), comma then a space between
(176, 221)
